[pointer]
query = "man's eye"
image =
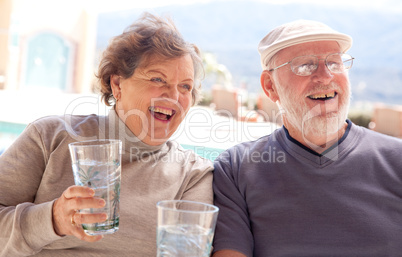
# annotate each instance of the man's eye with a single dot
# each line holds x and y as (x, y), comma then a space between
(334, 65)
(306, 67)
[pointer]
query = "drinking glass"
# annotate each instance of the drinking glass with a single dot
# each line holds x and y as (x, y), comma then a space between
(185, 228)
(97, 164)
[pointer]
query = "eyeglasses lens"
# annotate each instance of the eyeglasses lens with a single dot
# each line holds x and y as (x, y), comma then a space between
(306, 65)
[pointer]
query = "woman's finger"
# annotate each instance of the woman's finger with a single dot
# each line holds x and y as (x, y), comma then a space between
(78, 203)
(77, 230)
(78, 191)
(88, 218)
(80, 234)
(64, 211)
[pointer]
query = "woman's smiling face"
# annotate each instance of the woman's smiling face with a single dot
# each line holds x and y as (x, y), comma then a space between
(156, 98)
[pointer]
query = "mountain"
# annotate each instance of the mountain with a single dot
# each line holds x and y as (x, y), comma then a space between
(232, 30)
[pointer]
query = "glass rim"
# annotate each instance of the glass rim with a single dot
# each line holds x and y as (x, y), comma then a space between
(95, 142)
(212, 208)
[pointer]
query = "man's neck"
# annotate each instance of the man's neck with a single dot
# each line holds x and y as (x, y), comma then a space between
(313, 141)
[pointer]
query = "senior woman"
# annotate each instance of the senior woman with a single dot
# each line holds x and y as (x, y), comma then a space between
(151, 77)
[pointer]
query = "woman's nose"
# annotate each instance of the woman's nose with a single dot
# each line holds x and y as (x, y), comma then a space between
(172, 92)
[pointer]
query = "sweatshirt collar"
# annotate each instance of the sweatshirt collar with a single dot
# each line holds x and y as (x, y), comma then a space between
(130, 142)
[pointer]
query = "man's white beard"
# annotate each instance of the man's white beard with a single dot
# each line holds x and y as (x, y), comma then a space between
(314, 121)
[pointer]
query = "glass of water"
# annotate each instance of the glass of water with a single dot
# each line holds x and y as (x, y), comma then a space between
(185, 228)
(97, 164)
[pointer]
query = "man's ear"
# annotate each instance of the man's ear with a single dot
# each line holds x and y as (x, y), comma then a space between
(268, 86)
(115, 85)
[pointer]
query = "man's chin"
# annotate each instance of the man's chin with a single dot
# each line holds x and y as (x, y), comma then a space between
(321, 126)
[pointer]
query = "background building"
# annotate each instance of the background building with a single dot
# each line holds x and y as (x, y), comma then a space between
(46, 45)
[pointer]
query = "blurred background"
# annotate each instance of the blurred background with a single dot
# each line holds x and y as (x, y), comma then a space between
(49, 52)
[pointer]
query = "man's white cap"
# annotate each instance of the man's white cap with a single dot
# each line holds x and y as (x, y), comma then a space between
(297, 32)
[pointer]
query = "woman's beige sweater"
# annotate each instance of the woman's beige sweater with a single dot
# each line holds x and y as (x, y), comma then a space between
(36, 169)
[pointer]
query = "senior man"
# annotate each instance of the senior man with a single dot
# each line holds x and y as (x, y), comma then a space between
(320, 185)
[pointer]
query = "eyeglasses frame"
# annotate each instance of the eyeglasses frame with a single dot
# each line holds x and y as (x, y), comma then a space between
(286, 63)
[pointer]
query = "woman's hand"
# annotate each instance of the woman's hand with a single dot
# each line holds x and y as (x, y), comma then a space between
(66, 219)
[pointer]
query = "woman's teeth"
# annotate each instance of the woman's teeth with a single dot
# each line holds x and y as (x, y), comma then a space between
(161, 113)
(161, 110)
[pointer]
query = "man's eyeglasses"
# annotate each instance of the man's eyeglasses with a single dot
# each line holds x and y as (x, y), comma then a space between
(307, 64)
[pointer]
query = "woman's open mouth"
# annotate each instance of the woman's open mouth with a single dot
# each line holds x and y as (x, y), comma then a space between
(163, 114)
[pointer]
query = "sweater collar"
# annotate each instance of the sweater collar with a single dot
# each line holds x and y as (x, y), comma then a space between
(330, 155)
(289, 137)
(131, 143)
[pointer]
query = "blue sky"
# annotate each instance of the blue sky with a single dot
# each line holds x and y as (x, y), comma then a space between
(105, 5)
(386, 5)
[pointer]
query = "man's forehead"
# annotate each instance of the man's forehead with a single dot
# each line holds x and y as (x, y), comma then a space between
(310, 48)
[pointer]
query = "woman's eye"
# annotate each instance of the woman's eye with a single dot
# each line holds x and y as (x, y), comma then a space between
(157, 80)
(187, 87)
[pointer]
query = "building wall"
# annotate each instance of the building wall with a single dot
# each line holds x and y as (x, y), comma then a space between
(5, 15)
(70, 22)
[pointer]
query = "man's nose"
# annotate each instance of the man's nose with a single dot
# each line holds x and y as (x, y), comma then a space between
(322, 74)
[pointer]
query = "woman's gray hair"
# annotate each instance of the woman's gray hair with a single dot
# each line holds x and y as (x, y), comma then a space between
(147, 37)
